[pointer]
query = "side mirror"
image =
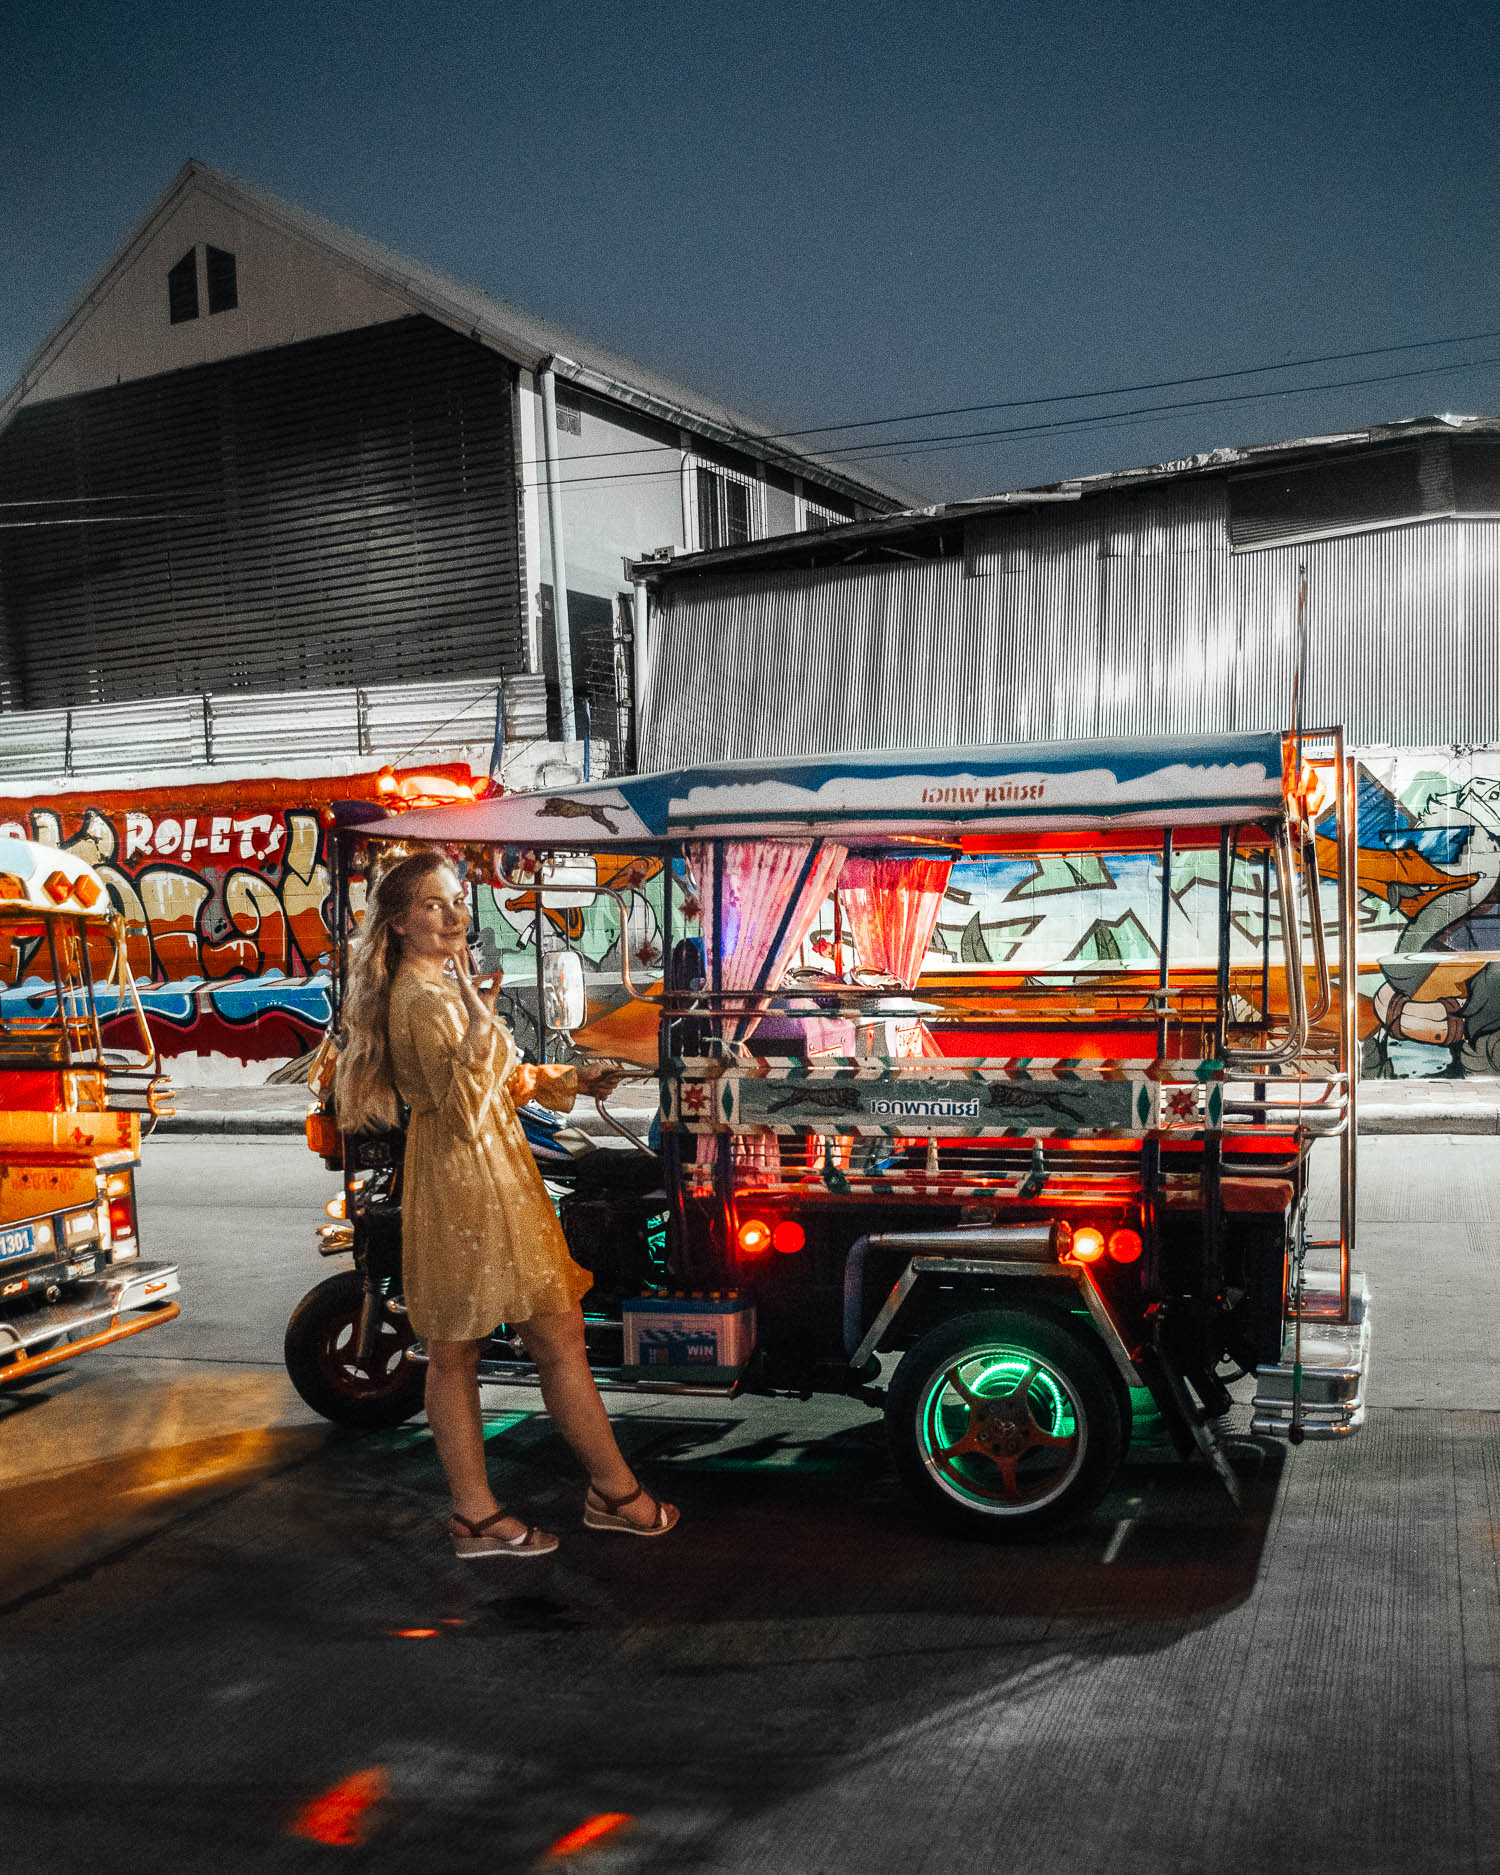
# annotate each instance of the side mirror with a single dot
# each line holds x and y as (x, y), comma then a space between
(563, 1001)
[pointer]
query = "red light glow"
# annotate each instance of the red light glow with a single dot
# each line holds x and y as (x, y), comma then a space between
(340, 1816)
(1088, 1244)
(415, 1634)
(589, 1832)
(755, 1237)
(788, 1236)
(1125, 1245)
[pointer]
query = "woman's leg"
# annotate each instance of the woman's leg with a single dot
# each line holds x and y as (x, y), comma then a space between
(458, 1430)
(556, 1344)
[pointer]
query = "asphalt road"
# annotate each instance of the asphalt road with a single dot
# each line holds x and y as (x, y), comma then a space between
(226, 1629)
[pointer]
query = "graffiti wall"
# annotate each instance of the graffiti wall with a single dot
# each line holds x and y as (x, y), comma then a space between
(1429, 866)
(224, 889)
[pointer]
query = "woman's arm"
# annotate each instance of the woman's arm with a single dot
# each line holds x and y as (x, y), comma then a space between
(458, 1067)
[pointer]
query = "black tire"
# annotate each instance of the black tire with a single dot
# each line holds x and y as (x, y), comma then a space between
(982, 1459)
(319, 1351)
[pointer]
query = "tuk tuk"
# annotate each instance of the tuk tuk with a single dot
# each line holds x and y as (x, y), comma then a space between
(72, 1277)
(1016, 1204)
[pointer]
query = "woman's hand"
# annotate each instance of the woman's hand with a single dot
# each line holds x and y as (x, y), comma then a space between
(478, 998)
(599, 1079)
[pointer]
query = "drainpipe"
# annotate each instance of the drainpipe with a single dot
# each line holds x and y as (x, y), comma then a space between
(640, 647)
(559, 558)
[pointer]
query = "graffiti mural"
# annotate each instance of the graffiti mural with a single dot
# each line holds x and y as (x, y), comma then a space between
(224, 890)
(1429, 869)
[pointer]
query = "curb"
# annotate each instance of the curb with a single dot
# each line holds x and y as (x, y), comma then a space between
(1479, 1120)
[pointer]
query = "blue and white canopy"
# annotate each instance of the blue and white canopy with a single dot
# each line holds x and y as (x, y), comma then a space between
(884, 794)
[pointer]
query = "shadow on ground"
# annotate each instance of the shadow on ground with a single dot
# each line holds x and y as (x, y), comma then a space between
(301, 1620)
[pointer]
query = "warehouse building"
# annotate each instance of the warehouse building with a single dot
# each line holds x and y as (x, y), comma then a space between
(1159, 602)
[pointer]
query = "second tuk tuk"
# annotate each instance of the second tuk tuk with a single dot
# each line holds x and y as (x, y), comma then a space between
(79, 1071)
(1014, 1203)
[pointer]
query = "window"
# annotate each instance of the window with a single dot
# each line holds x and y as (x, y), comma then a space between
(569, 412)
(819, 518)
(223, 291)
(182, 289)
(182, 284)
(727, 507)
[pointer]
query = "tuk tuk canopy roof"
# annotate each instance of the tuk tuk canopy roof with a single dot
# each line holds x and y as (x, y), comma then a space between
(38, 878)
(883, 794)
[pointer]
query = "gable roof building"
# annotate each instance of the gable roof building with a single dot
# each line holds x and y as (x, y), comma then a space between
(266, 455)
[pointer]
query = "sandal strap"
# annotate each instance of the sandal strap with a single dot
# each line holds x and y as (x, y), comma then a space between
(485, 1523)
(614, 1505)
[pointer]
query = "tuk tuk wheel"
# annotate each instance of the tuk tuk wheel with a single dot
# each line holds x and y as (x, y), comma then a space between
(1005, 1421)
(321, 1339)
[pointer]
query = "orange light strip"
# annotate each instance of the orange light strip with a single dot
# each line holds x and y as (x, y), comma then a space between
(339, 1816)
(592, 1830)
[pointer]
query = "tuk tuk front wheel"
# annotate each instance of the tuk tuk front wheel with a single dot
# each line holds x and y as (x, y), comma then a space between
(321, 1353)
(1005, 1421)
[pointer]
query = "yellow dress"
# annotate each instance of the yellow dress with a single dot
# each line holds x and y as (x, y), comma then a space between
(481, 1243)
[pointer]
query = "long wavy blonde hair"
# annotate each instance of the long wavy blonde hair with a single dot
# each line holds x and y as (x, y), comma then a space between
(364, 1088)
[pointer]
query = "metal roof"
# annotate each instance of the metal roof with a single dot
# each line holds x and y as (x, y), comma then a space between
(884, 794)
(929, 525)
(519, 336)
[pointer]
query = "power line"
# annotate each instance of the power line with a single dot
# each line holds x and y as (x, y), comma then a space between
(1056, 397)
(1076, 426)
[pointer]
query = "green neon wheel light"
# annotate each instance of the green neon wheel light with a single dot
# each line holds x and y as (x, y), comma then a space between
(1001, 1429)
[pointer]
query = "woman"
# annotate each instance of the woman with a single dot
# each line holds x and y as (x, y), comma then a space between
(480, 1241)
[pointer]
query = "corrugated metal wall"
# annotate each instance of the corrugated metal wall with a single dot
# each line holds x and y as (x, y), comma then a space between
(1124, 614)
(329, 513)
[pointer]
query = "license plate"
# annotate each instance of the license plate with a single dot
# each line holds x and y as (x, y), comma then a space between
(18, 1241)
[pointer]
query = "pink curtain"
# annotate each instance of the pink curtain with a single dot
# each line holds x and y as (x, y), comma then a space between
(771, 887)
(892, 907)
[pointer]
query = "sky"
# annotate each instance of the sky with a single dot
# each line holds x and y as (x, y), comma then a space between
(826, 214)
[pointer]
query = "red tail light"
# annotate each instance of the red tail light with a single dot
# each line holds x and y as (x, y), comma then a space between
(121, 1218)
(754, 1237)
(1125, 1245)
(788, 1236)
(1088, 1244)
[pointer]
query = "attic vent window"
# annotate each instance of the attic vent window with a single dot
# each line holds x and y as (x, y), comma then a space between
(183, 301)
(569, 412)
(182, 289)
(223, 292)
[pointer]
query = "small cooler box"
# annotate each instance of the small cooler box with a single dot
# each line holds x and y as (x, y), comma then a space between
(690, 1340)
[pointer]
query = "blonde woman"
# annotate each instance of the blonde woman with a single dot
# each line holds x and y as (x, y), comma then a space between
(480, 1241)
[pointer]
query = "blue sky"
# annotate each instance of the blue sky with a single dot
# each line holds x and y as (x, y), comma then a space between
(835, 212)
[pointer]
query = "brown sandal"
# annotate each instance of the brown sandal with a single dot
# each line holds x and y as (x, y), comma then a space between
(480, 1542)
(609, 1517)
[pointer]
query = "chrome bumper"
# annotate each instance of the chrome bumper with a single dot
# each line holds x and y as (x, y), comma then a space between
(93, 1307)
(1335, 1367)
